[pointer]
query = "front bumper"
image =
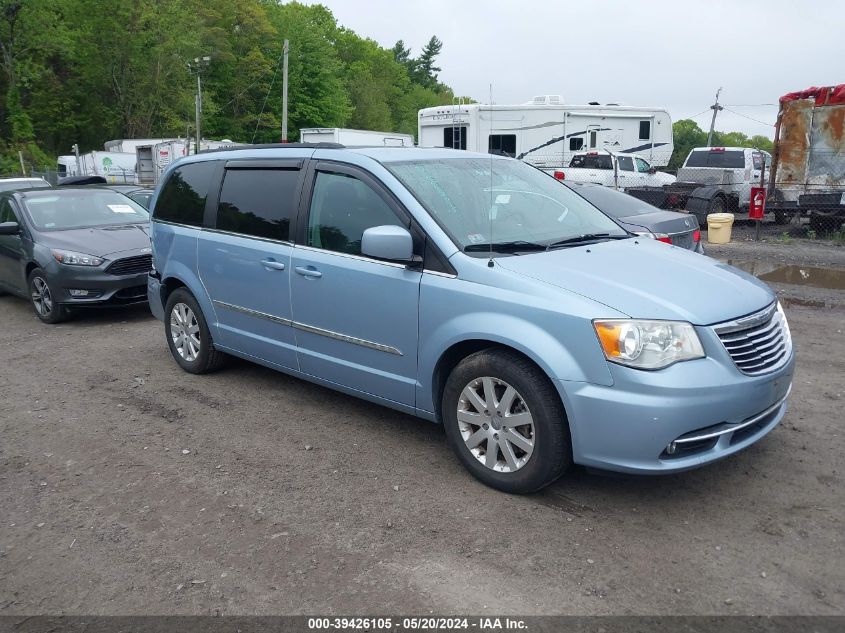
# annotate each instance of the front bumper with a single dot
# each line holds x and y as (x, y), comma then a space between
(103, 289)
(154, 296)
(706, 407)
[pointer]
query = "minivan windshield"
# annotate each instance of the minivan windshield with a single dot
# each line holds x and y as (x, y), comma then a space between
(479, 201)
(82, 208)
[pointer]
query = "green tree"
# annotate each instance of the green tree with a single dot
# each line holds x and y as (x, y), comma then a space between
(686, 135)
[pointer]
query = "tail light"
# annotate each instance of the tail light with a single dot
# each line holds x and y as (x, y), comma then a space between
(673, 198)
(717, 149)
(662, 237)
(559, 175)
(696, 235)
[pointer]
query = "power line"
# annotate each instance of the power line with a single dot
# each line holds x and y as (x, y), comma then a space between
(749, 105)
(745, 116)
(272, 81)
(696, 115)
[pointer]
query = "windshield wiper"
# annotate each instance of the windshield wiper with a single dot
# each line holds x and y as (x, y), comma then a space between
(515, 246)
(587, 237)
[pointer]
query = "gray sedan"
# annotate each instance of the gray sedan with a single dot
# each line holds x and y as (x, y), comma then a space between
(73, 247)
(679, 229)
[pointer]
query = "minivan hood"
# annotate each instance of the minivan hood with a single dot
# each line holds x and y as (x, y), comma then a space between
(100, 241)
(648, 280)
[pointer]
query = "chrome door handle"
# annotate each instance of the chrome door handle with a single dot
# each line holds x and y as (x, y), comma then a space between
(307, 271)
(272, 264)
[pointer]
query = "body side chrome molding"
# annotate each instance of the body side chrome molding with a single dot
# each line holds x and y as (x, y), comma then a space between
(255, 313)
(381, 347)
(347, 339)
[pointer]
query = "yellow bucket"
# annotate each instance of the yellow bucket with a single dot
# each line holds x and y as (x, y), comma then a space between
(719, 227)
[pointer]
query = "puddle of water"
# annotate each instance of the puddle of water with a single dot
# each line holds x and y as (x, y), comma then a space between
(830, 278)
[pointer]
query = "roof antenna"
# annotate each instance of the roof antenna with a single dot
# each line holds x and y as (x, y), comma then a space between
(490, 211)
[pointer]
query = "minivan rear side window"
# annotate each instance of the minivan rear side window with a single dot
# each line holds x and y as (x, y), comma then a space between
(258, 202)
(182, 197)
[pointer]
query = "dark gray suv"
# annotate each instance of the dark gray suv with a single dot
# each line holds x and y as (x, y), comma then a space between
(73, 247)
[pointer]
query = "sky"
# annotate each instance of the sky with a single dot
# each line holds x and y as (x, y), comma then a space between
(660, 53)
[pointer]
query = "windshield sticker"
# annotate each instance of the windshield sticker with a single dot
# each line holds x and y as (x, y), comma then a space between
(475, 238)
(121, 208)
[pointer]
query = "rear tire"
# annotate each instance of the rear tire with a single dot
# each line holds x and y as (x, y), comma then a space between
(41, 298)
(188, 336)
(716, 205)
(505, 422)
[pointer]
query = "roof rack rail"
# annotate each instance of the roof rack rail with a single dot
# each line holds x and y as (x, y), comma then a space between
(275, 146)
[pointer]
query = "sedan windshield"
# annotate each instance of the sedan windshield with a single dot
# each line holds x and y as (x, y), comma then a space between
(76, 209)
(502, 202)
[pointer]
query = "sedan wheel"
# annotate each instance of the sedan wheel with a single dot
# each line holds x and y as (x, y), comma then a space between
(43, 302)
(185, 332)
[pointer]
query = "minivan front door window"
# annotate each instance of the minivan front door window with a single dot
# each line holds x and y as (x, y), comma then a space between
(342, 208)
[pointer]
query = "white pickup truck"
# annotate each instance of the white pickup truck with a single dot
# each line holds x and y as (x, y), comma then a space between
(613, 170)
(712, 180)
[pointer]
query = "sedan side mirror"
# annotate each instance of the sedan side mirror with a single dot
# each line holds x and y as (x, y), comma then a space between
(652, 170)
(393, 243)
(9, 228)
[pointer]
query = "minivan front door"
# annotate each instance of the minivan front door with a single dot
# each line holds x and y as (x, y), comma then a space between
(244, 259)
(355, 317)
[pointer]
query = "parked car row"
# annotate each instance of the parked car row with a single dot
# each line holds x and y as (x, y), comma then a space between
(467, 289)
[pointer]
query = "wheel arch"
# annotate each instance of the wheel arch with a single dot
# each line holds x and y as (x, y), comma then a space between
(454, 354)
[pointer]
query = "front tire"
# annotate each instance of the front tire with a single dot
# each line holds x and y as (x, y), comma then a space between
(42, 299)
(505, 422)
(188, 336)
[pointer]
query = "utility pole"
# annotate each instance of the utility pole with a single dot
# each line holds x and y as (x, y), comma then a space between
(715, 107)
(285, 92)
(75, 149)
(198, 64)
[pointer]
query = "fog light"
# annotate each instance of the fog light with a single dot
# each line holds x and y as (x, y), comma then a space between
(670, 450)
(78, 293)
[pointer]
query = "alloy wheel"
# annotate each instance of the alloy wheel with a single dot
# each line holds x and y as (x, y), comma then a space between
(41, 297)
(185, 332)
(495, 424)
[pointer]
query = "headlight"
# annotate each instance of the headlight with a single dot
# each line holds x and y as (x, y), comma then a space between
(648, 344)
(76, 259)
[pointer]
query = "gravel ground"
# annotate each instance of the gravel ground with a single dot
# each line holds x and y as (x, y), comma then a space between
(130, 487)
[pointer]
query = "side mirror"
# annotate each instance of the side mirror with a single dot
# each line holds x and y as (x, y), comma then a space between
(9, 228)
(652, 170)
(388, 242)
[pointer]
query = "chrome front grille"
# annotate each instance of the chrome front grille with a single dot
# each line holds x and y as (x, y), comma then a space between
(759, 343)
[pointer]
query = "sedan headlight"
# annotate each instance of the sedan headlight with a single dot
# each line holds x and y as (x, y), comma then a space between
(648, 344)
(76, 259)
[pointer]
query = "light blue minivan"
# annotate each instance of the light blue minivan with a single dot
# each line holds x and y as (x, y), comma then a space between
(472, 290)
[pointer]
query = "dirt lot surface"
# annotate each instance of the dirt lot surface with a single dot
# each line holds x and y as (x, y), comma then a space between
(130, 487)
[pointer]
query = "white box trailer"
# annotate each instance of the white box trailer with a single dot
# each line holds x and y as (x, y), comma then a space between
(129, 145)
(115, 167)
(153, 159)
(349, 137)
(547, 132)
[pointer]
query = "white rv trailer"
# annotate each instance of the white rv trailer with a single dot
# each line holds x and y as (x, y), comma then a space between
(547, 132)
(346, 136)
